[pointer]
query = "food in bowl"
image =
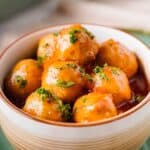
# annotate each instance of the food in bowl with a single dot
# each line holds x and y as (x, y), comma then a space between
(64, 79)
(77, 79)
(24, 78)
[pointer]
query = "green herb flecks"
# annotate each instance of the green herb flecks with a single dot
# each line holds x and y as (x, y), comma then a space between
(66, 111)
(89, 77)
(84, 74)
(82, 70)
(64, 84)
(45, 94)
(84, 99)
(99, 70)
(69, 65)
(105, 65)
(75, 110)
(46, 45)
(88, 33)
(59, 68)
(73, 37)
(55, 33)
(103, 76)
(115, 70)
(20, 81)
(139, 98)
(74, 66)
(41, 59)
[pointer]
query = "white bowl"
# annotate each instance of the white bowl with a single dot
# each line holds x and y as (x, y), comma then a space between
(127, 131)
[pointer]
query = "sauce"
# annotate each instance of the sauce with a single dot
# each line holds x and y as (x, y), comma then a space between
(139, 87)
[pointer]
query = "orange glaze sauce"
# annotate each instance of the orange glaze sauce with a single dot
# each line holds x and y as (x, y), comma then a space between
(139, 87)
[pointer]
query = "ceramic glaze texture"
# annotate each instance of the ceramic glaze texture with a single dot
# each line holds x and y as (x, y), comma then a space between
(125, 132)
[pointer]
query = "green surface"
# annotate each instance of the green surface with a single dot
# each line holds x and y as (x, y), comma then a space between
(4, 145)
(145, 37)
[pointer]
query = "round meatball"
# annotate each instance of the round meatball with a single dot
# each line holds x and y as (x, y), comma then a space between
(75, 43)
(41, 104)
(116, 54)
(24, 78)
(63, 79)
(112, 80)
(47, 47)
(94, 107)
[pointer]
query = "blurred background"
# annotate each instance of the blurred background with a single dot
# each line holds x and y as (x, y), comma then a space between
(20, 16)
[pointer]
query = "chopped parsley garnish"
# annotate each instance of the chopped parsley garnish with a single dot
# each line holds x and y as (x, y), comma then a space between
(55, 33)
(75, 109)
(88, 33)
(66, 111)
(72, 35)
(64, 84)
(84, 74)
(21, 81)
(139, 98)
(74, 66)
(41, 59)
(88, 76)
(45, 94)
(59, 68)
(103, 76)
(46, 45)
(64, 108)
(84, 99)
(99, 70)
(105, 65)
(82, 70)
(115, 70)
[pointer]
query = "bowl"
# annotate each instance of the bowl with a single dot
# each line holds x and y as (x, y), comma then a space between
(127, 131)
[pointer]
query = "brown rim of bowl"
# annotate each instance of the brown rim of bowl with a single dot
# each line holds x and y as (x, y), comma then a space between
(65, 124)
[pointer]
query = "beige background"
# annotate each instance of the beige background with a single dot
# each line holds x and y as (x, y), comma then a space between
(119, 13)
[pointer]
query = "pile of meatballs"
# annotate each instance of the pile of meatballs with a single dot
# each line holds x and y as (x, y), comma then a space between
(73, 78)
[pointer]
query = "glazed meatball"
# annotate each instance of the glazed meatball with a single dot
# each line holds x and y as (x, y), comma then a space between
(112, 80)
(44, 106)
(116, 54)
(94, 107)
(64, 79)
(24, 78)
(47, 47)
(75, 43)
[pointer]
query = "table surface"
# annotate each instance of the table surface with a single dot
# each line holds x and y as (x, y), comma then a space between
(145, 37)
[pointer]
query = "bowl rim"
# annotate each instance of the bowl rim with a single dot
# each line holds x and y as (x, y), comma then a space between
(66, 124)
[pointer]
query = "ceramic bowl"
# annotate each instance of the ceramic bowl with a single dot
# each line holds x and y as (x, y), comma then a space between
(128, 131)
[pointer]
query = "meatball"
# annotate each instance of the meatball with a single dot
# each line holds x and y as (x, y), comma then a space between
(116, 54)
(63, 79)
(24, 78)
(94, 107)
(42, 105)
(112, 80)
(75, 43)
(47, 47)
